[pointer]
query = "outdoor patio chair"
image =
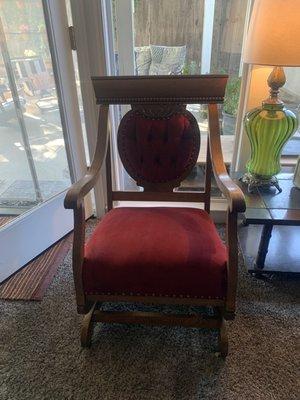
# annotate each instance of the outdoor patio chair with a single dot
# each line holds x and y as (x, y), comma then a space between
(157, 255)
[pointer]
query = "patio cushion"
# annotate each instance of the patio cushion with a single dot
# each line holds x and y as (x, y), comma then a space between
(142, 60)
(157, 251)
(167, 60)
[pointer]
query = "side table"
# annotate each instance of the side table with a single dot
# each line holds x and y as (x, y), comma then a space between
(268, 207)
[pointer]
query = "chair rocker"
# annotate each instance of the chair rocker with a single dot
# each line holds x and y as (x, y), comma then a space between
(157, 255)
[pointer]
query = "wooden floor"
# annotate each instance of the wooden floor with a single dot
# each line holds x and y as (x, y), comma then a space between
(284, 248)
(31, 281)
(4, 220)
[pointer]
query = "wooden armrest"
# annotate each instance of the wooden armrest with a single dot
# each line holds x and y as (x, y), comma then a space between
(230, 190)
(78, 190)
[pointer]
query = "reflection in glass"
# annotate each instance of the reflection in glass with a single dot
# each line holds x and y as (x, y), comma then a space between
(33, 162)
(290, 94)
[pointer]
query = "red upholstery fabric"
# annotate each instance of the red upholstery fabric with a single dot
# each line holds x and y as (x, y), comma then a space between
(158, 150)
(156, 251)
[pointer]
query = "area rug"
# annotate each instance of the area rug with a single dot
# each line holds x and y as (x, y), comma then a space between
(41, 357)
(31, 282)
(5, 220)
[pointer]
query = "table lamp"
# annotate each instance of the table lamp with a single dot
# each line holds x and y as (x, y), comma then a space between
(273, 39)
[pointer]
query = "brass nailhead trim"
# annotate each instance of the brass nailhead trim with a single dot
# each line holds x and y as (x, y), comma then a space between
(155, 295)
(176, 100)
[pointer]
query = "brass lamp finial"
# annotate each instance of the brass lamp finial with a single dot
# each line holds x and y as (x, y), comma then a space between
(275, 81)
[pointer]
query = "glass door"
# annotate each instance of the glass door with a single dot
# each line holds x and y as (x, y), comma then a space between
(181, 37)
(38, 157)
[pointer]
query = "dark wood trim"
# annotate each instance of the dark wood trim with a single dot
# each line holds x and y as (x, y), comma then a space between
(261, 221)
(78, 254)
(160, 89)
(81, 188)
(230, 190)
(87, 327)
(91, 298)
(232, 264)
(197, 197)
(263, 246)
(208, 173)
(152, 318)
(109, 178)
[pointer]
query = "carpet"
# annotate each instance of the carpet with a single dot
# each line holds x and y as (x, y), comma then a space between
(31, 282)
(41, 357)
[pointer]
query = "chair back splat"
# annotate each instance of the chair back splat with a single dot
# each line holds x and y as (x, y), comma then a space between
(158, 139)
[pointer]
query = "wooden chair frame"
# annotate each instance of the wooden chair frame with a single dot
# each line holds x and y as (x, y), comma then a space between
(150, 90)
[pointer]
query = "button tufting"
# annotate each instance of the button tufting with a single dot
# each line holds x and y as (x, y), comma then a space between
(157, 160)
(158, 137)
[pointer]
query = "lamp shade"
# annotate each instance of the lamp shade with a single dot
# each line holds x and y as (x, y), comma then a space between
(274, 34)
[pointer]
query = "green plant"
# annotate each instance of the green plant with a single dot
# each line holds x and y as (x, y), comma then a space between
(190, 68)
(232, 95)
(24, 27)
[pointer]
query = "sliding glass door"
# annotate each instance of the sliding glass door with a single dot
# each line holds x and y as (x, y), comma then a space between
(39, 157)
(34, 165)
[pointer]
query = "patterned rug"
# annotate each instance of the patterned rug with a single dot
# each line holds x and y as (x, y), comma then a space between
(31, 282)
(4, 220)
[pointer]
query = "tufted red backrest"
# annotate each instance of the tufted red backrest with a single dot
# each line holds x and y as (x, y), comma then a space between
(158, 150)
(158, 140)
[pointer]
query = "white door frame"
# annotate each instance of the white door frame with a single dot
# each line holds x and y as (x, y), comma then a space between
(31, 233)
(207, 36)
(88, 30)
(124, 19)
(59, 42)
(107, 29)
(28, 235)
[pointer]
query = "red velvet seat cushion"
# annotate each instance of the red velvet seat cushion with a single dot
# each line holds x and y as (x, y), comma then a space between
(157, 251)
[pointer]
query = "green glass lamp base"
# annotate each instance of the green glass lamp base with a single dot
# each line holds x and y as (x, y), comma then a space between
(268, 128)
(253, 181)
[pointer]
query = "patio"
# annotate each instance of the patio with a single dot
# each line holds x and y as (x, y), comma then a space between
(17, 191)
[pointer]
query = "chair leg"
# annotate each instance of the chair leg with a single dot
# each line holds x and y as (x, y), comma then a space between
(223, 339)
(87, 327)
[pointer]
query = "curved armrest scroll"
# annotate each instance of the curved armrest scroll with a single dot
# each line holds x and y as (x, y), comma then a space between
(78, 190)
(231, 191)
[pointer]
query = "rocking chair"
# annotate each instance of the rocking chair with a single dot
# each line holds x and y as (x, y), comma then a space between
(157, 255)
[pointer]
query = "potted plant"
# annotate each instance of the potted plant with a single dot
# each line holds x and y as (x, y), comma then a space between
(230, 105)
